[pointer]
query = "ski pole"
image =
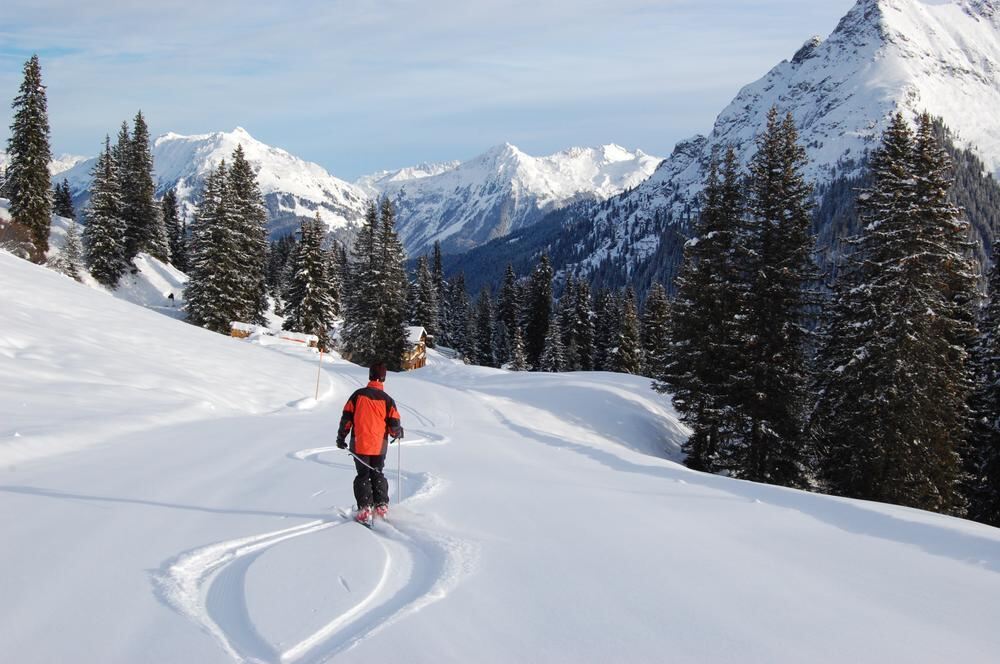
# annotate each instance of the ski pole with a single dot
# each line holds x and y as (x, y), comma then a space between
(360, 460)
(399, 465)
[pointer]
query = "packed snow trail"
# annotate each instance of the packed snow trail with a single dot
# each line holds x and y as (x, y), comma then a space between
(164, 497)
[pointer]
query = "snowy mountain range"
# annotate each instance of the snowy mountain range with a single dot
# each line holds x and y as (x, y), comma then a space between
(463, 204)
(503, 190)
(57, 166)
(293, 188)
(884, 56)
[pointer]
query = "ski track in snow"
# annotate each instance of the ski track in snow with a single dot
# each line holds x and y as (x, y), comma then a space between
(421, 566)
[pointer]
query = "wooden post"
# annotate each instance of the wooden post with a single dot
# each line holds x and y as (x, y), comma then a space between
(319, 372)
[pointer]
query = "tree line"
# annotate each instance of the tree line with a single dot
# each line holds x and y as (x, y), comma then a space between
(886, 390)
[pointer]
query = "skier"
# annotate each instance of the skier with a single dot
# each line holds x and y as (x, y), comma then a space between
(371, 416)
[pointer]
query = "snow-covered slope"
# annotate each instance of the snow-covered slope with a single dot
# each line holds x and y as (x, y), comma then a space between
(149, 283)
(502, 190)
(293, 188)
(173, 495)
(885, 55)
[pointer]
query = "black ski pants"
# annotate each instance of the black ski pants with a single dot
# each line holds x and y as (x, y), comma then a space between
(370, 486)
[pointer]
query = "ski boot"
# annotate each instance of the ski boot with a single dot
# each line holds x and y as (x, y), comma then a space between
(364, 516)
(381, 511)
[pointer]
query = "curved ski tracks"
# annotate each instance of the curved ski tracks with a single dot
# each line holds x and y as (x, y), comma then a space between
(421, 566)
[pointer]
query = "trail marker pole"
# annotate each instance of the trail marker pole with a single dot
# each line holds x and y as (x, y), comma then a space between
(319, 372)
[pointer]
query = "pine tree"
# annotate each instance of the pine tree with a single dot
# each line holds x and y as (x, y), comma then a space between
(73, 252)
(982, 462)
(629, 356)
(146, 224)
(310, 307)
(250, 217)
(424, 300)
(176, 229)
(390, 291)
(459, 317)
(213, 292)
(104, 234)
(518, 357)
(440, 285)
(28, 182)
(360, 314)
(608, 328)
(584, 324)
(484, 330)
(62, 201)
(538, 311)
(891, 412)
(335, 258)
(565, 312)
(509, 308)
(655, 331)
(773, 381)
(553, 358)
(705, 347)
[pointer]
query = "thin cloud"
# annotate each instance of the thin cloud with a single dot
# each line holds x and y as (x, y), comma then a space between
(361, 85)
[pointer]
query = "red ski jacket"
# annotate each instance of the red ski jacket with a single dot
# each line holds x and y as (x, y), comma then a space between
(370, 415)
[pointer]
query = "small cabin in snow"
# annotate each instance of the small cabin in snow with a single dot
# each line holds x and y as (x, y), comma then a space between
(415, 354)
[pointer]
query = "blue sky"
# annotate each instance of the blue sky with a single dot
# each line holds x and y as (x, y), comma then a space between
(363, 85)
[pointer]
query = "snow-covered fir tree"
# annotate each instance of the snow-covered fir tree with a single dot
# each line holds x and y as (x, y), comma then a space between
(553, 358)
(485, 351)
(628, 359)
(891, 414)
(279, 257)
(62, 200)
(982, 460)
(250, 217)
(336, 258)
(608, 324)
(214, 291)
(360, 315)
(538, 310)
(310, 308)
(583, 322)
(459, 316)
(28, 182)
(773, 379)
(509, 309)
(176, 229)
(390, 295)
(565, 312)
(70, 260)
(705, 347)
(440, 286)
(518, 358)
(146, 230)
(375, 294)
(424, 302)
(104, 234)
(655, 330)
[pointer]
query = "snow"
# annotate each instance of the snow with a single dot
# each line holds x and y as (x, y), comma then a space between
(414, 334)
(167, 498)
(58, 164)
(884, 56)
(292, 185)
(466, 204)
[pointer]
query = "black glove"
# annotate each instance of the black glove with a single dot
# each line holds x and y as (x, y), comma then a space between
(342, 442)
(398, 433)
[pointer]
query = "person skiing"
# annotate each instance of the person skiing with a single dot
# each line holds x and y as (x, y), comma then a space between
(370, 416)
